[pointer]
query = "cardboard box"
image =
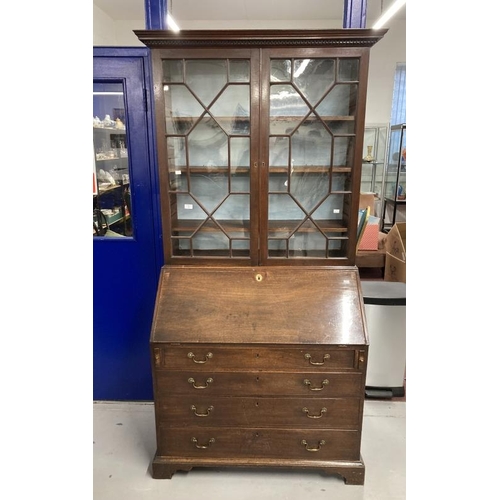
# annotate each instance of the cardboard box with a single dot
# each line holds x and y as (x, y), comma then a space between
(395, 269)
(370, 238)
(367, 200)
(395, 244)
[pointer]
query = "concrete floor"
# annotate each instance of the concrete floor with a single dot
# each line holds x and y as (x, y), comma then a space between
(124, 445)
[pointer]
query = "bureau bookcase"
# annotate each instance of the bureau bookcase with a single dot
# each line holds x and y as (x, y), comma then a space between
(259, 342)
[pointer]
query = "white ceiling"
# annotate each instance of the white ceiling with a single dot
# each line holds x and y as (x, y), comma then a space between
(131, 10)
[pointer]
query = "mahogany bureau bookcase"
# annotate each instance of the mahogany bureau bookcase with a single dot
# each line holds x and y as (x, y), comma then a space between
(258, 343)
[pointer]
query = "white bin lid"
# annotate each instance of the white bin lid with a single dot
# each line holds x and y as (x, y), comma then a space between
(384, 293)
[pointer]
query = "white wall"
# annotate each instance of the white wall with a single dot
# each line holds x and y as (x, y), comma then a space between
(383, 56)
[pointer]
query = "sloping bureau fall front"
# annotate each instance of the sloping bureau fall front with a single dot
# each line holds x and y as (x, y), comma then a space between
(259, 367)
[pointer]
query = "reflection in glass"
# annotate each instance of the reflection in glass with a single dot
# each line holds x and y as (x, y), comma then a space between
(239, 151)
(278, 151)
(239, 70)
(287, 109)
(172, 71)
(208, 144)
(176, 147)
(209, 190)
(348, 70)
(340, 101)
(313, 77)
(206, 78)
(281, 70)
(181, 109)
(311, 144)
(343, 151)
(111, 176)
(309, 189)
(232, 109)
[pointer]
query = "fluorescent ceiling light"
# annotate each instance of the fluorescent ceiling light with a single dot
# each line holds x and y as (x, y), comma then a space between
(388, 14)
(171, 24)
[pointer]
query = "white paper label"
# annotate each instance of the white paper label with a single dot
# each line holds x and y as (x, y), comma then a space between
(178, 172)
(336, 210)
(188, 206)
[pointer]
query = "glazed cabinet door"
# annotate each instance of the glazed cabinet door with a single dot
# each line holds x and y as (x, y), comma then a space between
(206, 119)
(312, 131)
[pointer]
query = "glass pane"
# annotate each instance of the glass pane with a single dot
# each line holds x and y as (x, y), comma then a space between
(181, 109)
(239, 151)
(209, 190)
(332, 208)
(340, 101)
(287, 109)
(208, 144)
(239, 71)
(111, 176)
(281, 70)
(232, 109)
(278, 151)
(172, 71)
(311, 144)
(206, 78)
(348, 70)
(343, 152)
(341, 182)
(283, 208)
(178, 181)
(313, 77)
(176, 151)
(278, 182)
(309, 189)
(210, 236)
(308, 242)
(234, 215)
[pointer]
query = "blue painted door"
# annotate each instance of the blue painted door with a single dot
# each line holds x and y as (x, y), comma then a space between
(127, 252)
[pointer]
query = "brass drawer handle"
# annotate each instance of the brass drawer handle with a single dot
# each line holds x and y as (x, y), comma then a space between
(202, 446)
(306, 411)
(308, 383)
(209, 409)
(192, 381)
(320, 363)
(320, 444)
(207, 357)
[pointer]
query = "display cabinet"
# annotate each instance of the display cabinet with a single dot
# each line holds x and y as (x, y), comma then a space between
(259, 344)
(375, 143)
(394, 186)
(260, 149)
(111, 181)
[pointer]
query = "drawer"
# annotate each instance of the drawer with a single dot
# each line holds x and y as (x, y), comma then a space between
(211, 411)
(258, 384)
(212, 442)
(209, 358)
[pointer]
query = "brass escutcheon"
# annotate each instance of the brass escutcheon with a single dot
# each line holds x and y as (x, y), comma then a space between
(259, 277)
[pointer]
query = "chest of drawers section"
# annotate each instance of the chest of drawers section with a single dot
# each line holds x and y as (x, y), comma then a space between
(286, 406)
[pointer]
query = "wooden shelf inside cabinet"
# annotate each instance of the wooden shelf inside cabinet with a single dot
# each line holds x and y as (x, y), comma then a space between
(313, 169)
(326, 225)
(188, 225)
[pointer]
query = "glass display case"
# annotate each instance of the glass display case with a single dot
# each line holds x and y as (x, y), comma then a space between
(374, 155)
(394, 188)
(111, 181)
(260, 151)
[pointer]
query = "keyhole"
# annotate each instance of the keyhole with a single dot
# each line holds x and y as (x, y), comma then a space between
(258, 277)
